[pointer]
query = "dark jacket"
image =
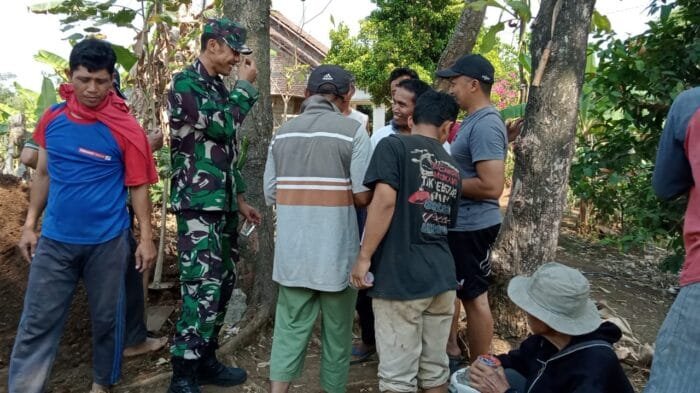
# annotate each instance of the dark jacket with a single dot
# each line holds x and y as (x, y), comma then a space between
(587, 365)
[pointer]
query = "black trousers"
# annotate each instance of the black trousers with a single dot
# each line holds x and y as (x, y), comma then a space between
(364, 311)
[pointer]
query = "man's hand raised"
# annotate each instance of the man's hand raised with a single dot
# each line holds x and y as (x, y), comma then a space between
(155, 139)
(247, 69)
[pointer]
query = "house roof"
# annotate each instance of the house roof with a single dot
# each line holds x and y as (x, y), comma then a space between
(289, 36)
(292, 46)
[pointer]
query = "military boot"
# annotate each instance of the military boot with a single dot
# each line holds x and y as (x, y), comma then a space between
(213, 372)
(184, 376)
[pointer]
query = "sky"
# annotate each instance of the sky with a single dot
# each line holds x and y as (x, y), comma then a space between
(24, 33)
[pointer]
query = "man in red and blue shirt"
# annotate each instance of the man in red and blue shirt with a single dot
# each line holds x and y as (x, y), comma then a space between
(90, 150)
(677, 172)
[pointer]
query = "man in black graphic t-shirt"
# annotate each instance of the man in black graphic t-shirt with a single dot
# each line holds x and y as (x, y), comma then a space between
(416, 199)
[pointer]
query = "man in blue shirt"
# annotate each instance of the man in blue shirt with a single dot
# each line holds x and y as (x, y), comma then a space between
(91, 149)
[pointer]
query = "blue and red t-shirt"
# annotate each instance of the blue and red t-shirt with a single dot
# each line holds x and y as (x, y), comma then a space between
(677, 171)
(88, 177)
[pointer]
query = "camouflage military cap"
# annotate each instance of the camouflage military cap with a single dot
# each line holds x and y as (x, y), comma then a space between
(232, 32)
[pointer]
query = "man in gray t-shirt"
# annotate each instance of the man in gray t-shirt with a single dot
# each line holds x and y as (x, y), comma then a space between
(480, 151)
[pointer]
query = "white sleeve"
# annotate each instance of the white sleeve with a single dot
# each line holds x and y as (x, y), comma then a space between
(270, 178)
(378, 136)
(361, 155)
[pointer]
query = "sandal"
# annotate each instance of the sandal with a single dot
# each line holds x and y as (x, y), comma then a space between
(359, 356)
(455, 362)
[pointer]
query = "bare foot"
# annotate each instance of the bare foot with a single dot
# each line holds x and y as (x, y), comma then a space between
(150, 345)
(97, 388)
(453, 350)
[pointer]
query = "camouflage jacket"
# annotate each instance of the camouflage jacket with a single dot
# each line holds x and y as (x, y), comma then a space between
(204, 117)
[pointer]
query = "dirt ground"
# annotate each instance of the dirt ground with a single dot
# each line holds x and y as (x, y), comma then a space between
(631, 285)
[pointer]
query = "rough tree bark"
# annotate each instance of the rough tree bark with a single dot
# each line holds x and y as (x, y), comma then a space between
(463, 39)
(255, 269)
(544, 151)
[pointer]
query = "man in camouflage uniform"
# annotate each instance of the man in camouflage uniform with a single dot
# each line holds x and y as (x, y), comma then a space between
(207, 193)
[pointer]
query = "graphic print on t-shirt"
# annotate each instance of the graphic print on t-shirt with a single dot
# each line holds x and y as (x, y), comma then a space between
(439, 187)
(93, 153)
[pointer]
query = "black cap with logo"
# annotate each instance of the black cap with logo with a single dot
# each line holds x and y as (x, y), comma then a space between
(474, 66)
(329, 79)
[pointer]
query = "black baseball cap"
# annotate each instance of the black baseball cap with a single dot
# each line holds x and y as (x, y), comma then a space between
(329, 79)
(474, 66)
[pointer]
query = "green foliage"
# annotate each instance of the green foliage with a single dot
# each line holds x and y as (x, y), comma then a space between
(513, 111)
(516, 8)
(74, 11)
(24, 101)
(371, 56)
(83, 18)
(5, 112)
(125, 57)
(489, 40)
(14, 99)
(624, 105)
(396, 34)
(46, 98)
(163, 167)
(600, 23)
(243, 154)
(6, 95)
(58, 63)
(521, 9)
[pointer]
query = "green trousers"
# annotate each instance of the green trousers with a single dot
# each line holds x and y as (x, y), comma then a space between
(297, 310)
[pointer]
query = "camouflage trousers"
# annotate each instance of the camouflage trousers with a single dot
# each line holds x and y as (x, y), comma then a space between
(207, 246)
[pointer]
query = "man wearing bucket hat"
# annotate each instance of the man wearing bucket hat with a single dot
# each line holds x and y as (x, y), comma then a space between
(207, 197)
(570, 349)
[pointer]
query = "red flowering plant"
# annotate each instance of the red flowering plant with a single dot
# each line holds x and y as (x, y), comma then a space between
(505, 91)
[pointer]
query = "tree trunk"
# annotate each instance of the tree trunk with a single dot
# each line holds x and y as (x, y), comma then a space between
(255, 268)
(543, 154)
(463, 39)
(521, 68)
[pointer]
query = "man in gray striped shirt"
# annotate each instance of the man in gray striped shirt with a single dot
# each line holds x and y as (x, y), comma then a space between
(314, 173)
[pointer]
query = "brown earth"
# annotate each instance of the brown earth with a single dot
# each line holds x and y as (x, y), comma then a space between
(632, 285)
(71, 371)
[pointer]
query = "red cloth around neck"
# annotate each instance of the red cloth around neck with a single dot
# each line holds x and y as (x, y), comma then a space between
(114, 113)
